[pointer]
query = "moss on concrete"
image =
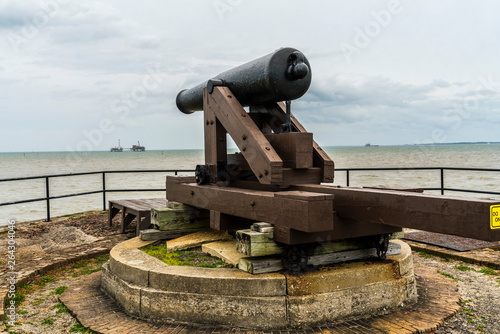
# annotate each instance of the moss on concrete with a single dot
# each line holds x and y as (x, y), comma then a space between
(190, 257)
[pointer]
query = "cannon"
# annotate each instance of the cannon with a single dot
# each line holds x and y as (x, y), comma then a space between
(270, 142)
(278, 175)
(279, 76)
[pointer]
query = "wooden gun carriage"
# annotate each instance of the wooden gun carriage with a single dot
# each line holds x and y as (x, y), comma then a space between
(279, 174)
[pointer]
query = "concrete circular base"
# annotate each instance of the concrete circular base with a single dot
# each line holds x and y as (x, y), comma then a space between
(149, 289)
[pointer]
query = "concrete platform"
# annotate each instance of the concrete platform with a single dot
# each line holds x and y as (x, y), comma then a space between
(437, 301)
(149, 289)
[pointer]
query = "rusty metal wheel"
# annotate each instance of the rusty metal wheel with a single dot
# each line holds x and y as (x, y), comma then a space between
(202, 174)
(294, 258)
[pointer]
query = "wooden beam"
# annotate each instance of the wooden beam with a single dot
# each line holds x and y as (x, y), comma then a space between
(342, 229)
(269, 264)
(294, 148)
(260, 264)
(223, 222)
(302, 214)
(262, 158)
(215, 139)
(276, 117)
(166, 219)
(254, 243)
(465, 217)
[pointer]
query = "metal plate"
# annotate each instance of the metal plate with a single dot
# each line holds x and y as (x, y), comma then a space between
(449, 241)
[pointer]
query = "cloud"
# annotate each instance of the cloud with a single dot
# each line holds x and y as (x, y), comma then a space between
(15, 14)
(409, 81)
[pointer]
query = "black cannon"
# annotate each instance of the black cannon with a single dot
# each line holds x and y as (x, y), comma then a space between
(279, 76)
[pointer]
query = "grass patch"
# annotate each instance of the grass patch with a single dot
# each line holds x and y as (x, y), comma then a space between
(447, 275)
(61, 289)
(18, 299)
(425, 255)
(22, 312)
(78, 328)
(81, 264)
(102, 258)
(27, 288)
(487, 271)
(47, 279)
(462, 268)
(48, 320)
(86, 272)
(191, 257)
(61, 308)
(38, 301)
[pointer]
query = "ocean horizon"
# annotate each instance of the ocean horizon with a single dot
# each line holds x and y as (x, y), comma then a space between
(26, 164)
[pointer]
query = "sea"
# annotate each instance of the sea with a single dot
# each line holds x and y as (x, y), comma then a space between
(25, 164)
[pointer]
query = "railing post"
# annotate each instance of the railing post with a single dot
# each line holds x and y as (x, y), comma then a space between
(103, 191)
(47, 195)
(347, 177)
(442, 181)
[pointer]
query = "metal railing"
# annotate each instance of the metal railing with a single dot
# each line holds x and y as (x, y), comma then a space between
(442, 188)
(104, 190)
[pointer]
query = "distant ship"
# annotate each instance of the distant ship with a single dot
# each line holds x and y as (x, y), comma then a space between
(138, 147)
(370, 145)
(117, 148)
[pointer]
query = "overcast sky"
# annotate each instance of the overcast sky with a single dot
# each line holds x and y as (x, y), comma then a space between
(79, 75)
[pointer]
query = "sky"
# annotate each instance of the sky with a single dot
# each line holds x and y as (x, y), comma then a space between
(81, 75)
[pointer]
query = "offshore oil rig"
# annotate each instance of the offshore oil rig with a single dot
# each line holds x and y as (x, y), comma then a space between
(135, 148)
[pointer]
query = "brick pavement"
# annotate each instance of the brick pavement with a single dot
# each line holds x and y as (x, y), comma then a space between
(38, 264)
(484, 257)
(437, 302)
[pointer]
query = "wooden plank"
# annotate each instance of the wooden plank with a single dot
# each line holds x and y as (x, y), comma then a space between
(153, 234)
(350, 255)
(224, 250)
(197, 239)
(140, 205)
(260, 265)
(254, 243)
(189, 217)
(303, 215)
(465, 217)
(413, 190)
(304, 195)
(262, 227)
(294, 148)
(262, 158)
(181, 179)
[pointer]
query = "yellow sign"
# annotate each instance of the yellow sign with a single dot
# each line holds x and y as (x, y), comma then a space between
(495, 216)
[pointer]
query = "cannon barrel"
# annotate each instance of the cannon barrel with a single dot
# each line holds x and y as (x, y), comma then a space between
(279, 76)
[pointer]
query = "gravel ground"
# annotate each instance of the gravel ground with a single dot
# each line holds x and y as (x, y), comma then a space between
(479, 289)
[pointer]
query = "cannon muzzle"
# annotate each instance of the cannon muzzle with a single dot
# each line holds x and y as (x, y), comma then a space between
(279, 76)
